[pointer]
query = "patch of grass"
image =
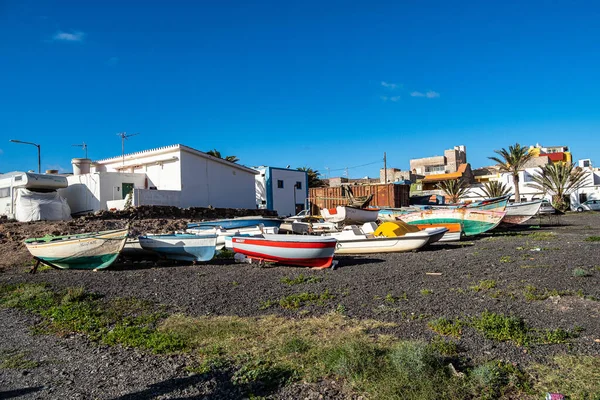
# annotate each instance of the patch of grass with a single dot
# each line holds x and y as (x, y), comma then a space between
(390, 298)
(297, 300)
(446, 327)
(16, 360)
(506, 259)
(497, 379)
(300, 279)
(426, 292)
(592, 239)
(483, 285)
(532, 293)
(445, 347)
(266, 304)
(31, 297)
(580, 273)
(575, 376)
(542, 235)
(502, 328)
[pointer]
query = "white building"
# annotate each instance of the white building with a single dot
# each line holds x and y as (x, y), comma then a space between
(281, 189)
(174, 175)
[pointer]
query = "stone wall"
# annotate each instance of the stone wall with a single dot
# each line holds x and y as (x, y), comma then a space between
(192, 213)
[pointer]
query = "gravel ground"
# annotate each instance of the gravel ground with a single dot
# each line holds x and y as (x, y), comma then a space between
(543, 255)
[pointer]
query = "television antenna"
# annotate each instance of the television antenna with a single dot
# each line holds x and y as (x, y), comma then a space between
(83, 146)
(124, 136)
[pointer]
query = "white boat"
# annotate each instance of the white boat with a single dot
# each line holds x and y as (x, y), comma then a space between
(307, 228)
(222, 234)
(362, 240)
(181, 246)
(349, 215)
(519, 213)
(301, 250)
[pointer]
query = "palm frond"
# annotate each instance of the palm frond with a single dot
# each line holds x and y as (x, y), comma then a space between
(455, 189)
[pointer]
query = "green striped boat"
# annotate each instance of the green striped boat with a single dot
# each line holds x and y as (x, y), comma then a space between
(473, 221)
(96, 250)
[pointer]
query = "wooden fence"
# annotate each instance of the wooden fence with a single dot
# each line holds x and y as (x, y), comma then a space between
(384, 195)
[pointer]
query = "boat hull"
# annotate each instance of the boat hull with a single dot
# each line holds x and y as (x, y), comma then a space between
(88, 251)
(306, 251)
(181, 247)
(349, 215)
(453, 233)
(473, 221)
(222, 234)
(519, 213)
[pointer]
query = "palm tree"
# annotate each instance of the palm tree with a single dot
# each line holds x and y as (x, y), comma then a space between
(455, 189)
(512, 161)
(493, 189)
(559, 180)
(217, 153)
(313, 177)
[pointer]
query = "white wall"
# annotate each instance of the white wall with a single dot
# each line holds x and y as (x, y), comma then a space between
(156, 197)
(207, 182)
(90, 192)
(284, 201)
(260, 187)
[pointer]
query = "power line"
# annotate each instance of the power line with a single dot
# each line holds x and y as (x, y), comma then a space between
(356, 166)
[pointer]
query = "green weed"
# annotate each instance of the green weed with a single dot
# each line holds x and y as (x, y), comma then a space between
(446, 327)
(502, 328)
(445, 347)
(575, 376)
(483, 285)
(426, 292)
(579, 273)
(506, 259)
(16, 360)
(297, 300)
(592, 239)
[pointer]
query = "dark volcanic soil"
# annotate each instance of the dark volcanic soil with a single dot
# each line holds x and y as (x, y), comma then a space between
(543, 255)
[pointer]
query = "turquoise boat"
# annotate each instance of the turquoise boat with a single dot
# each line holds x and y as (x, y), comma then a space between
(473, 221)
(96, 250)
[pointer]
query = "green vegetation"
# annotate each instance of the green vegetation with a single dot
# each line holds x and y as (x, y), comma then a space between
(559, 180)
(512, 161)
(483, 285)
(16, 360)
(224, 254)
(593, 239)
(576, 376)
(542, 235)
(447, 327)
(426, 292)
(532, 293)
(454, 189)
(580, 273)
(510, 328)
(300, 279)
(389, 298)
(506, 259)
(297, 300)
(262, 353)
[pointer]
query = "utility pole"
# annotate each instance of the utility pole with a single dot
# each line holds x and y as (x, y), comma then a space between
(327, 168)
(124, 136)
(384, 168)
(84, 147)
(347, 173)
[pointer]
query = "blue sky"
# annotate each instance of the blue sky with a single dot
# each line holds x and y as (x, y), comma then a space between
(328, 84)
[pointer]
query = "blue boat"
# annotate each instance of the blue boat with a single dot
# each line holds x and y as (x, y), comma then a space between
(236, 223)
(181, 246)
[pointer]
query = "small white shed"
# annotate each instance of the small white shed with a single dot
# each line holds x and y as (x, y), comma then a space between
(281, 189)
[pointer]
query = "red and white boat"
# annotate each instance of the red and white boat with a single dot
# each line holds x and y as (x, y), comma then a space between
(302, 250)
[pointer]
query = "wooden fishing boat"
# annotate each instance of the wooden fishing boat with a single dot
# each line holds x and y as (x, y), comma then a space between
(96, 250)
(519, 213)
(236, 223)
(181, 246)
(453, 234)
(473, 221)
(359, 240)
(301, 250)
(349, 215)
(391, 214)
(493, 204)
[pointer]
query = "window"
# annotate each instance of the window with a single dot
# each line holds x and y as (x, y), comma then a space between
(279, 184)
(298, 185)
(435, 168)
(582, 197)
(5, 192)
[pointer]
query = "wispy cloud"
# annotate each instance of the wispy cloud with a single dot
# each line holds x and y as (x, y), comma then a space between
(388, 85)
(75, 36)
(111, 62)
(390, 98)
(430, 94)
